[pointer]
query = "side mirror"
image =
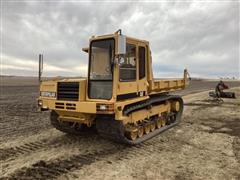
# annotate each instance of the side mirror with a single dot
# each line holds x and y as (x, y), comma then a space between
(121, 49)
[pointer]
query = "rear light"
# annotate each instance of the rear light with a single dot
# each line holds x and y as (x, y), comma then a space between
(105, 108)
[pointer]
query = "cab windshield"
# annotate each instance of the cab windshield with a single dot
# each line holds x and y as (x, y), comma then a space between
(101, 58)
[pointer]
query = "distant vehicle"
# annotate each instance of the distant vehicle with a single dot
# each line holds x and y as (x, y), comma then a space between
(120, 96)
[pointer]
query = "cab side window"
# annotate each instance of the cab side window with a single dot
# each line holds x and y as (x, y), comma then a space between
(141, 64)
(127, 69)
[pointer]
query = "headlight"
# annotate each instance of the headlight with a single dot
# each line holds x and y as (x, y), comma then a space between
(102, 107)
(47, 94)
(40, 103)
(105, 108)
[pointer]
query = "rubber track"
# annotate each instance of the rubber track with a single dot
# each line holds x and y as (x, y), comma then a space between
(114, 130)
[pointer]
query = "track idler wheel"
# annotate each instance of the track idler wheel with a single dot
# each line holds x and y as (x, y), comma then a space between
(132, 133)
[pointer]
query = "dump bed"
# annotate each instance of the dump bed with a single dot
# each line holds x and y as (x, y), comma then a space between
(168, 85)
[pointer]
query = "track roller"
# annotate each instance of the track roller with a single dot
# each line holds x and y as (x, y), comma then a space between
(147, 128)
(152, 126)
(140, 131)
(158, 123)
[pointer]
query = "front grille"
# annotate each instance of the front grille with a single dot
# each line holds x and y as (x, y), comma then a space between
(59, 105)
(71, 106)
(68, 106)
(68, 91)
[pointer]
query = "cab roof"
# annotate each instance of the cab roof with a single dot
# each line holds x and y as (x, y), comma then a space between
(86, 49)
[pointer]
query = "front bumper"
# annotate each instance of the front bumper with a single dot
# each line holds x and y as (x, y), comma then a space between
(45, 104)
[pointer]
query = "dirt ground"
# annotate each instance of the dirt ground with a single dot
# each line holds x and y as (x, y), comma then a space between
(205, 145)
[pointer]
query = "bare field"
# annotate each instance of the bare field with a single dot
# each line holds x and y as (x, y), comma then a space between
(205, 145)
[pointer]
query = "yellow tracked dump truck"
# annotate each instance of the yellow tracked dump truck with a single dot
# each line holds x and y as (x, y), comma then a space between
(119, 98)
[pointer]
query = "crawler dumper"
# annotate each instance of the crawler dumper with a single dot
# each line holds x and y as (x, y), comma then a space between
(119, 98)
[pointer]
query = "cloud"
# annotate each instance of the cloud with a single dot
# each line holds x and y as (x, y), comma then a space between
(29, 67)
(202, 36)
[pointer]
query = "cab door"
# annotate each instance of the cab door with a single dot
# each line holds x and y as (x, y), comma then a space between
(128, 79)
(142, 84)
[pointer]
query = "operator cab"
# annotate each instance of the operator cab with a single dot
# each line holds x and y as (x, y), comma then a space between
(117, 66)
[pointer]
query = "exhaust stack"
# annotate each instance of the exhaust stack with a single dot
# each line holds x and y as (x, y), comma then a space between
(40, 67)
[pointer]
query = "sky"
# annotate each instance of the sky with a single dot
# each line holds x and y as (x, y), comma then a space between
(202, 36)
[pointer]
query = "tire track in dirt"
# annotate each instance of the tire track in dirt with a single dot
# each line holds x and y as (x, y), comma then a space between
(12, 126)
(126, 153)
(11, 152)
(57, 167)
(52, 169)
(30, 147)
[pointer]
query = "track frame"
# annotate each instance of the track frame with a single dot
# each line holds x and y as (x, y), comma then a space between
(113, 129)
